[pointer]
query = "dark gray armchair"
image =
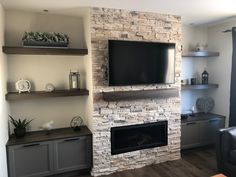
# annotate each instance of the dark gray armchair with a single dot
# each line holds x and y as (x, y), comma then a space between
(226, 151)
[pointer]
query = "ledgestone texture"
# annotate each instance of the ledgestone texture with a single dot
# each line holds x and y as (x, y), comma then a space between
(135, 26)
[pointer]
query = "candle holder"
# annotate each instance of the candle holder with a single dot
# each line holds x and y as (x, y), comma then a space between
(74, 80)
(205, 77)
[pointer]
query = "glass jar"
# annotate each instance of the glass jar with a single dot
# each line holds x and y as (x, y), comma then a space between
(74, 80)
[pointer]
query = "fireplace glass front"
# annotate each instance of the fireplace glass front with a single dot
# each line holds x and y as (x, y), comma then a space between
(136, 137)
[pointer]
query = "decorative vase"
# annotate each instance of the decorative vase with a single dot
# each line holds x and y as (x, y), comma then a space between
(20, 132)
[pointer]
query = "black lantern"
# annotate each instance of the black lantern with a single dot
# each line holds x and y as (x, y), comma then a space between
(205, 77)
(74, 79)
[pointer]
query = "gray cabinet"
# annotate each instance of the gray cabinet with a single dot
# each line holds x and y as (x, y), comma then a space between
(67, 156)
(39, 154)
(208, 130)
(190, 135)
(200, 132)
(30, 160)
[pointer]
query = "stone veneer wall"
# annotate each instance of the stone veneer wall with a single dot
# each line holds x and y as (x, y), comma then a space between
(138, 26)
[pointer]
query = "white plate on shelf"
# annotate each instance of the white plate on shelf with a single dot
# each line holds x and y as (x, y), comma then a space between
(205, 104)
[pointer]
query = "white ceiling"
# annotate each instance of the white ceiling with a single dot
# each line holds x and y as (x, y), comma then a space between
(195, 12)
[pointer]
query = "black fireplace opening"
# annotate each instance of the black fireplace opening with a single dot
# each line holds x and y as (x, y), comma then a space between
(136, 137)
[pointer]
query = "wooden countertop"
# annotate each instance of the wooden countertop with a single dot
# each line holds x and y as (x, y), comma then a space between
(201, 117)
(38, 136)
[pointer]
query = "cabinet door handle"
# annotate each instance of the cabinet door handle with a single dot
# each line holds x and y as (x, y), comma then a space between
(30, 145)
(74, 139)
(191, 123)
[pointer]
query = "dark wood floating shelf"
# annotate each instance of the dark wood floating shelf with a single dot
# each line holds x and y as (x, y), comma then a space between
(140, 94)
(43, 51)
(199, 86)
(201, 54)
(43, 94)
(42, 135)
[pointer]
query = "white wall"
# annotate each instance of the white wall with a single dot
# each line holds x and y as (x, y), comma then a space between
(192, 67)
(17, 22)
(220, 67)
(42, 69)
(3, 104)
(192, 36)
(88, 64)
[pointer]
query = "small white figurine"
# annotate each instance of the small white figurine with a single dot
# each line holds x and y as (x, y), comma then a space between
(48, 125)
(49, 87)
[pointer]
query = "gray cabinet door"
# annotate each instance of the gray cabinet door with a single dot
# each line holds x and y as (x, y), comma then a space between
(72, 154)
(189, 135)
(30, 160)
(209, 128)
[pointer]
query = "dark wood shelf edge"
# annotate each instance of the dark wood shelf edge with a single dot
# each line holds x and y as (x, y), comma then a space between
(201, 54)
(43, 94)
(200, 116)
(140, 94)
(43, 51)
(199, 86)
(42, 135)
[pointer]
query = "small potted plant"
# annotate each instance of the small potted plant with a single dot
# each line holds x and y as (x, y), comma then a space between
(20, 126)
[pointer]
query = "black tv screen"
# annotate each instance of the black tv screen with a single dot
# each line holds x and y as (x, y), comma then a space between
(134, 62)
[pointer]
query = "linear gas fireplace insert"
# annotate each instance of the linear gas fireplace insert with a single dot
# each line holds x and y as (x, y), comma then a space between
(141, 136)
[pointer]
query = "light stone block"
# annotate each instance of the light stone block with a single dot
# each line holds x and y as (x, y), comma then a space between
(120, 24)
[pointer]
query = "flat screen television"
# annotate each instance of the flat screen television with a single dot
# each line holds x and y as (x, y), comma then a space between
(135, 63)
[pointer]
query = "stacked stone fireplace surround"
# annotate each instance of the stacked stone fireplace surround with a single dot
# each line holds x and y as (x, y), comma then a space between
(135, 26)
